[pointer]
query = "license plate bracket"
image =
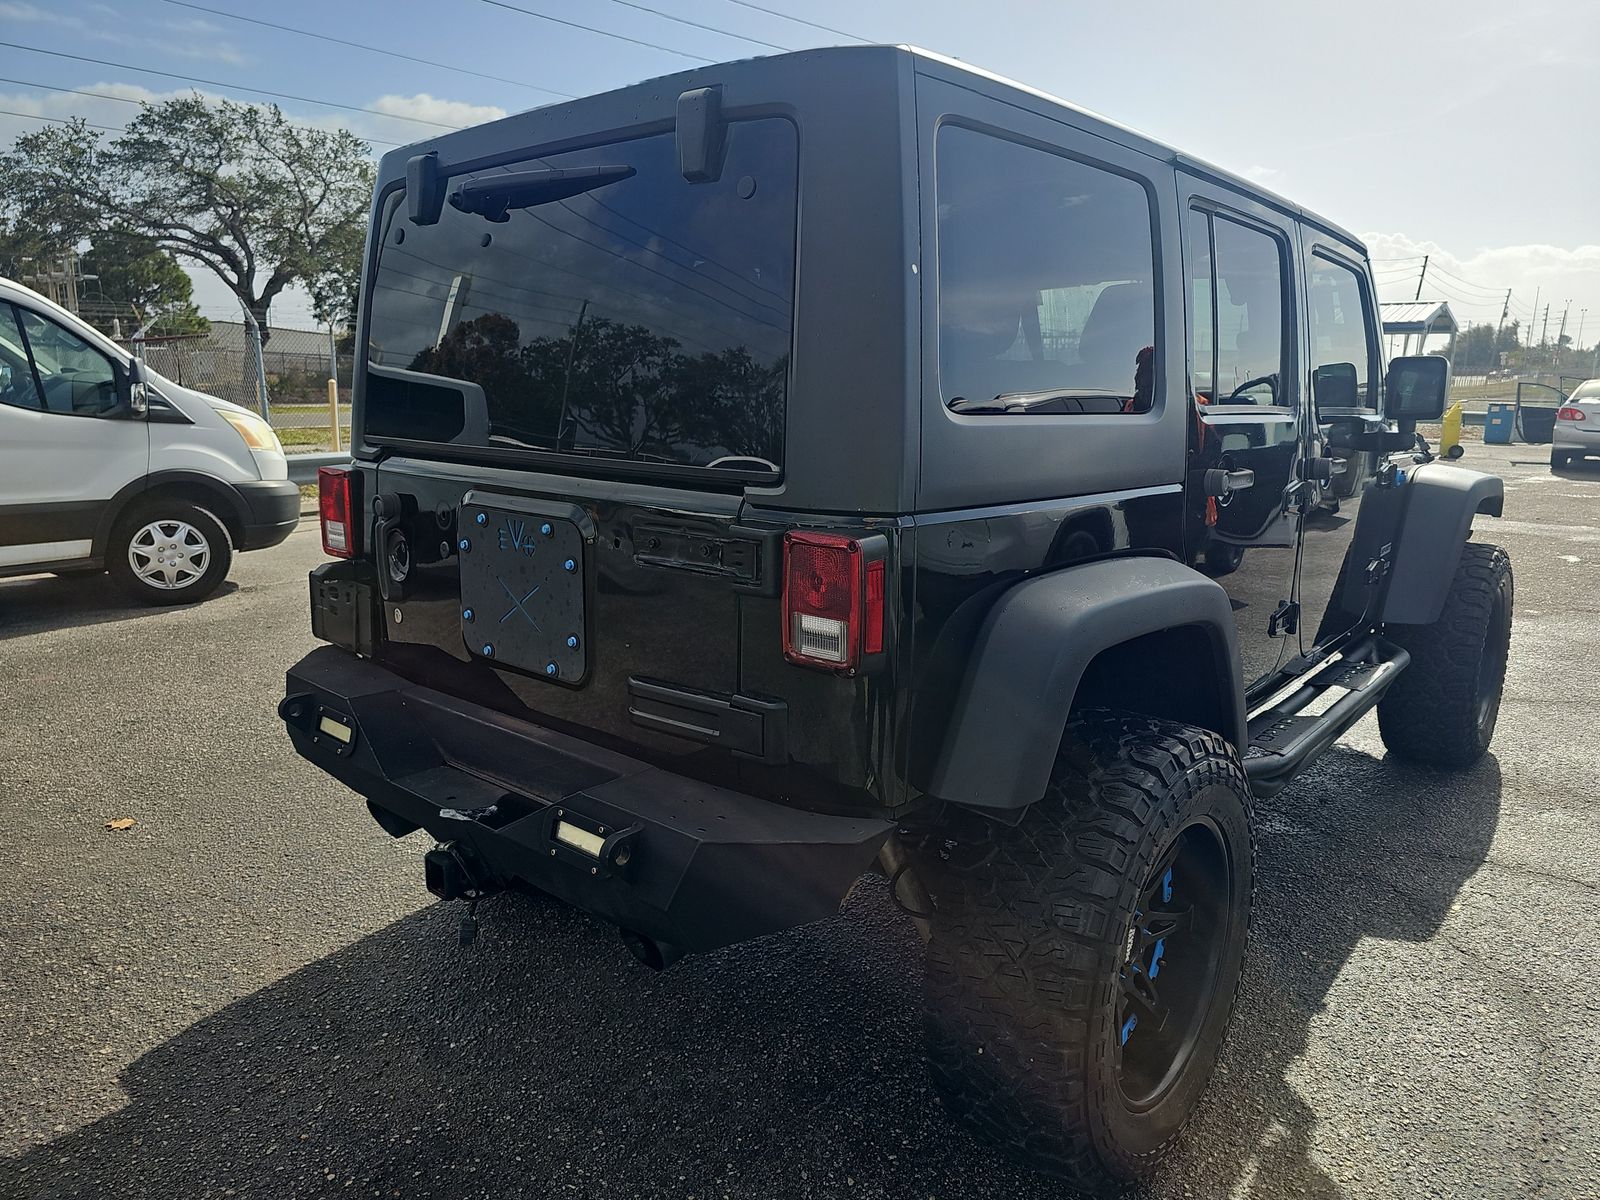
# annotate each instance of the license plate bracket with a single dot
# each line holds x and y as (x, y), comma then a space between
(523, 583)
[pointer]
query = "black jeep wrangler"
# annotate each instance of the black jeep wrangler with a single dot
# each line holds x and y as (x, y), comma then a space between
(849, 460)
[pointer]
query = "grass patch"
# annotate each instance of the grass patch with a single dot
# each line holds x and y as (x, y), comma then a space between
(315, 438)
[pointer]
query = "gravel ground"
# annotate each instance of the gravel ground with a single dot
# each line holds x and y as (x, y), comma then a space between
(249, 993)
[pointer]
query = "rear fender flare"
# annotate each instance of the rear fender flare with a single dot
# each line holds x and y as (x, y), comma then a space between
(1030, 656)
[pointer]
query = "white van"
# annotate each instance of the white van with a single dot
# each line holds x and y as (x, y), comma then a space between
(105, 465)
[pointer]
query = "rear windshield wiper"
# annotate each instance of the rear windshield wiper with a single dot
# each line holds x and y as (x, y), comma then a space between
(494, 195)
(1021, 402)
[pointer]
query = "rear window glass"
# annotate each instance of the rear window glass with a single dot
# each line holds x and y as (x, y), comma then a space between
(1588, 390)
(1045, 268)
(647, 319)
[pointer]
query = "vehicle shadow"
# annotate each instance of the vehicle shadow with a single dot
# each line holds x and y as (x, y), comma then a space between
(1582, 468)
(41, 603)
(542, 1061)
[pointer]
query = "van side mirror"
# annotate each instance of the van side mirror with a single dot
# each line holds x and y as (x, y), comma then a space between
(137, 398)
(1417, 388)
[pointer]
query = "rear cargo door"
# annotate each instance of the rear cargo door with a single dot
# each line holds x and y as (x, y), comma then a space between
(572, 374)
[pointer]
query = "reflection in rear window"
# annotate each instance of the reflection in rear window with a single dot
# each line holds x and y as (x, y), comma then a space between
(647, 320)
(1046, 303)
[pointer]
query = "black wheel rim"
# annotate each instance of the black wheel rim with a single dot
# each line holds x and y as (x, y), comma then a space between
(1492, 665)
(1167, 982)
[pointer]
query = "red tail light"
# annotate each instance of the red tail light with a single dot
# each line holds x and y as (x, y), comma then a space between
(833, 601)
(1569, 413)
(340, 514)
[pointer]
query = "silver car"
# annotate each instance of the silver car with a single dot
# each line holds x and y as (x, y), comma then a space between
(1577, 431)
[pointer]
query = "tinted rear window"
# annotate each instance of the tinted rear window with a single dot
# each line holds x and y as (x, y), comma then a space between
(647, 320)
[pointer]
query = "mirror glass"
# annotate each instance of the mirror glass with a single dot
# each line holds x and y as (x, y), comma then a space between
(1417, 387)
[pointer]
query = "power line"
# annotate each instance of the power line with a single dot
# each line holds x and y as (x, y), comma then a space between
(772, 12)
(1478, 287)
(6, 112)
(323, 37)
(192, 79)
(50, 87)
(681, 21)
(621, 37)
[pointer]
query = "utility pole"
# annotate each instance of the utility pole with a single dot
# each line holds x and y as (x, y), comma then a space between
(1577, 345)
(1421, 276)
(1494, 350)
(1562, 332)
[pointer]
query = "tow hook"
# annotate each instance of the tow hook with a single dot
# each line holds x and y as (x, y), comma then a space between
(450, 876)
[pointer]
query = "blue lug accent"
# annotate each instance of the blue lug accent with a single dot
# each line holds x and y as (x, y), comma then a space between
(1166, 887)
(1128, 1027)
(1155, 957)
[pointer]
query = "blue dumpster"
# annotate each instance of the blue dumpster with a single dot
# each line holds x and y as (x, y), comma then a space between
(1498, 425)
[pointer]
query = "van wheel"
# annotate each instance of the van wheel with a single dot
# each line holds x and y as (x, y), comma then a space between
(167, 551)
(1441, 711)
(1082, 966)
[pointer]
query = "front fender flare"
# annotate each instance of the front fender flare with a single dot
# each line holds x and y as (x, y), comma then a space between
(1441, 501)
(1032, 651)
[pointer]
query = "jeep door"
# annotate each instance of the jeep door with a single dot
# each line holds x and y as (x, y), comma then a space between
(1244, 478)
(1345, 378)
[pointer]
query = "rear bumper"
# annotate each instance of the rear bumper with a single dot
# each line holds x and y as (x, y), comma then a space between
(1567, 437)
(687, 863)
(271, 512)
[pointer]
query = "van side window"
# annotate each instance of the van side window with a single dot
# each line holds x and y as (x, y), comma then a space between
(1344, 350)
(1045, 269)
(18, 388)
(76, 377)
(1236, 331)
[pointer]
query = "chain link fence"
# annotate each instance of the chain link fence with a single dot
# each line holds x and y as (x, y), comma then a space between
(288, 379)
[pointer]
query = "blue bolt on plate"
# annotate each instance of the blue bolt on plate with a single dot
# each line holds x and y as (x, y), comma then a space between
(482, 518)
(467, 614)
(488, 650)
(572, 642)
(549, 668)
(547, 530)
(464, 544)
(569, 565)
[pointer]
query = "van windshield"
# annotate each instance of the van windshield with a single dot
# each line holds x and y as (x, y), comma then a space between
(645, 319)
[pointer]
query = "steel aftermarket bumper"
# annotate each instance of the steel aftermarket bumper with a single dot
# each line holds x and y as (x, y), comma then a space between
(686, 863)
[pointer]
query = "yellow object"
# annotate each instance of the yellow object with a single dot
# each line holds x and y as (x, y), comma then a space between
(1450, 431)
(333, 410)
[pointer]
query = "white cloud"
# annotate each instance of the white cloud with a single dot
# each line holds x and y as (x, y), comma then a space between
(1475, 284)
(112, 26)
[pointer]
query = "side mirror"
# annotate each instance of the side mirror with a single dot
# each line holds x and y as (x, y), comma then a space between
(1335, 386)
(138, 398)
(1417, 388)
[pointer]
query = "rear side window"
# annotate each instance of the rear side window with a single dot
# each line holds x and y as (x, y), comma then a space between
(1045, 269)
(644, 320)
(1344, 350)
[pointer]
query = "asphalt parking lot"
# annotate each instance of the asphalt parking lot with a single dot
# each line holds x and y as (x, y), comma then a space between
(250, 994)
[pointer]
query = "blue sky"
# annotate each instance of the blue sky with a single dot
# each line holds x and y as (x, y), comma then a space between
(1467, 130)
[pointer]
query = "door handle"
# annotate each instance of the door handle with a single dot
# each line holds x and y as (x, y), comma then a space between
(1220, 483)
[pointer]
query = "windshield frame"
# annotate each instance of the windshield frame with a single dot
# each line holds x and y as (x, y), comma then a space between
(387, 206)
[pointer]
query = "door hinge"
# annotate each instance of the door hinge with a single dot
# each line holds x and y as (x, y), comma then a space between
(1285, 619)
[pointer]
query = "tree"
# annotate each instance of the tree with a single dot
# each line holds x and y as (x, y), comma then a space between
(257, 200)
(136, 279)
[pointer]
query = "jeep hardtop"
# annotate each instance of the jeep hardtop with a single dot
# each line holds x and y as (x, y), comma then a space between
(850, 461)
